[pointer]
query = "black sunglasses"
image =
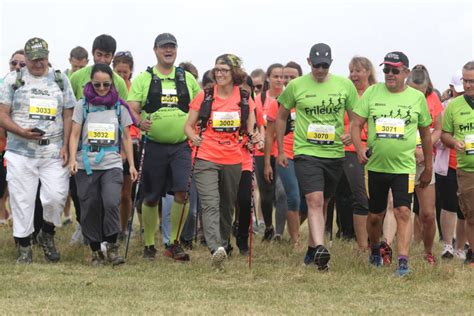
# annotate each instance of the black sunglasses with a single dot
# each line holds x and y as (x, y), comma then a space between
(16, 62)
(104, 84)
(258, 86)
(394, 71)
(321, 65)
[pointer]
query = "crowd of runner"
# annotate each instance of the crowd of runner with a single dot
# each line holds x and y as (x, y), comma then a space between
(213, 157)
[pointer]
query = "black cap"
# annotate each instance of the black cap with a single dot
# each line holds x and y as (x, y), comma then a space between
(395, 59)
(165, 38)
(320, 53)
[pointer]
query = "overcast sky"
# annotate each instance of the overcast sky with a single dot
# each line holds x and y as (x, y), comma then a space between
(438, 34)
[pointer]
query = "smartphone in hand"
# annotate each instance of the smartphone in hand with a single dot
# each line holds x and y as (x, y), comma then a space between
(39, 131)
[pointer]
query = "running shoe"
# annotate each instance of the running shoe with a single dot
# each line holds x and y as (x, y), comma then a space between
(269, 233)
(376, 260)
(448, 252)
(460, 254)
(430, 259)
(176, 252)
(402, 269)
(321, 258)
(309, 257)
(468, 259)
(243, 245)
(149, 252)
(218, 258)
(386, 253)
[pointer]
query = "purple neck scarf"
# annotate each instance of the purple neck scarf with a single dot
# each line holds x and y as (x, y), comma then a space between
(108, 100)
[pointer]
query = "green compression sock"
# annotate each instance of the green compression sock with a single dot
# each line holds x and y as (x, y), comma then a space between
(149, 218)
(176, 210)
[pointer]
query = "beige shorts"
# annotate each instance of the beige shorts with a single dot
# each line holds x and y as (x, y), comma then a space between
(419, 170)
(466, 193)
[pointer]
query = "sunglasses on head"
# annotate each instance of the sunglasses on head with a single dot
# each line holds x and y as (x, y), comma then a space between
(97, 85)
(321, 65)
(125, 53)
(16, 62)
(394, 71)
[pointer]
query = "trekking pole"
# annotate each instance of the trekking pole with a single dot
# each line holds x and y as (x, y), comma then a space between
(186, 196)
(252, 203)
(137, 189)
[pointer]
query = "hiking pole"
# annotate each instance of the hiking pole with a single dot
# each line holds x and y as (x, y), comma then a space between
(252, 202)
(137, 189)
(186, 196)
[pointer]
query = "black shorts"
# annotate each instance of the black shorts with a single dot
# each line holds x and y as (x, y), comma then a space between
(318, 174)
(166, 168)
(447, 188)
(379, 184)
(136, 160)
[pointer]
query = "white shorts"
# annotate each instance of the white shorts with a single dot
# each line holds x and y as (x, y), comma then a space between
(23, 175)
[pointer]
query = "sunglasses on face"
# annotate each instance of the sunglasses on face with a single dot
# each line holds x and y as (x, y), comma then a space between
(394, 71)
(321, 65)
(16, 62)
(97, 85)
(258, 86)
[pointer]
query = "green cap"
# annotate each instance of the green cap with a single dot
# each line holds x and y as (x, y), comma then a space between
(36, 48)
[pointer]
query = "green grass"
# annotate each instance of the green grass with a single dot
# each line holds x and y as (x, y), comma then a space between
(277, 284)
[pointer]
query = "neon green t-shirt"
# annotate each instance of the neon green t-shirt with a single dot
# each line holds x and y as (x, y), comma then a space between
(319, 114)
(81, 77)
(168, 122)
(459, 121)
(392, 122)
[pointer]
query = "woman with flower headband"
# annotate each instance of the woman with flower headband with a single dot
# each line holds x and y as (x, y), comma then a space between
(218, 161)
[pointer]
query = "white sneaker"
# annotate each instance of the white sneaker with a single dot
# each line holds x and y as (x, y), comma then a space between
(460, 254)
(218, 258)
(448, 252)
(77, 237)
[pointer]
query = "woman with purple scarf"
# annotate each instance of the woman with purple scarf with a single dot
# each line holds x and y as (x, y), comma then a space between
(100, 129)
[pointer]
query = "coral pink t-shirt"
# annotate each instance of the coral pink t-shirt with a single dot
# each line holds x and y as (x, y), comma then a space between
(264, 108)
(288, 138)
(220, 143)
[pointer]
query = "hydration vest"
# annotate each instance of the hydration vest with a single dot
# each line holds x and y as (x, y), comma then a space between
(103, 139)
(19, 81)
(206, 109)
(155, 91)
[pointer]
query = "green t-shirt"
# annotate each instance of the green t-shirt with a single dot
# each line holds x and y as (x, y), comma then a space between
(459, 121)
(392, 121)
(168, 122)
(319, 113)
(81, 77)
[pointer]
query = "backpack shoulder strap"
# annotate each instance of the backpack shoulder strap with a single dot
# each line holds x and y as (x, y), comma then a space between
(153, 99)
(182, 89)
(244, 109)
(206, 106)
(18, 81)
(58, 78)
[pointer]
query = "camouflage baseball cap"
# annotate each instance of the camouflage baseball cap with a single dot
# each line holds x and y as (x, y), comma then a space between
(36, 48)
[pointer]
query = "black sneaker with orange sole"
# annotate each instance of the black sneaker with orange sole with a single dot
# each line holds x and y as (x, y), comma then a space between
(176, 252)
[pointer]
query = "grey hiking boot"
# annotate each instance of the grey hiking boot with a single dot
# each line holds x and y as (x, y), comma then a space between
(25, 255)
(113, 254)
(46, 241)
(98, 259)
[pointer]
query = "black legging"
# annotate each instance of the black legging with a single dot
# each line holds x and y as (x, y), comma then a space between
(75, 198)
(244, 200)
(267, 190)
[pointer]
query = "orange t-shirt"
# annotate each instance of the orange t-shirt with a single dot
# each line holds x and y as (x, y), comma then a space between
(434, 107)
(264, 108)
(288, 138)
(363, 134)
(218, 145)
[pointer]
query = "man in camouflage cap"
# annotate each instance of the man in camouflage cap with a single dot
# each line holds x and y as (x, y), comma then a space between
(36, 105)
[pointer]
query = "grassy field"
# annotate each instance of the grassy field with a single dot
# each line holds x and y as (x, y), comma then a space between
(277, 284)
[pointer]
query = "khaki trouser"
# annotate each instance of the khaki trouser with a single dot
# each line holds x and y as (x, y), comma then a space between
(217, 186)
